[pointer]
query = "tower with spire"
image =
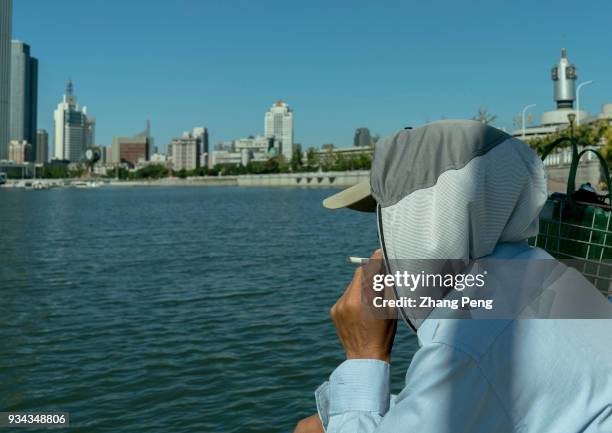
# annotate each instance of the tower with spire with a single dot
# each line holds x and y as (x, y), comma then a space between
(74, 128)
(564, 78)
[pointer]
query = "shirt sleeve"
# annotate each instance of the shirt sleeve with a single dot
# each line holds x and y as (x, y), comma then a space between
(445, 392)
(356, 396)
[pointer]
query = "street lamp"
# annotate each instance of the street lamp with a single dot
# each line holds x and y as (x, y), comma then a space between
(571, 117)
(523, 116)
(578, 100)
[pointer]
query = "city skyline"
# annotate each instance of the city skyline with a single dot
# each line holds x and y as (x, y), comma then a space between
(364, 66)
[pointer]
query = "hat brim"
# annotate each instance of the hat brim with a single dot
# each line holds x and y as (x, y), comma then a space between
(357, 197)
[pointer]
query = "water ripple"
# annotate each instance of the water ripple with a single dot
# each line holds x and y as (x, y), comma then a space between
(174, 309)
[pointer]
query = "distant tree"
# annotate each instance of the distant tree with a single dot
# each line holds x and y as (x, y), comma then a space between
(283, 164)
(311, 158)
(54, 172)
(484, 117)
(76, 173)
(328, 160)
(363, 162)
(517, 120)
(201, 171)
(154, 171)
(596, 134)
(296, 158)
(122, 173)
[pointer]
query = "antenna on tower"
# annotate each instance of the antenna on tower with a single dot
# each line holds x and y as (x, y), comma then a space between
(69, 87)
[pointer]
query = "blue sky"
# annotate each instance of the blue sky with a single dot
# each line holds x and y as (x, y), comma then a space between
(339, 64)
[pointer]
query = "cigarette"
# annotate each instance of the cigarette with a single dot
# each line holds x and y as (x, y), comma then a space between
(357, 260)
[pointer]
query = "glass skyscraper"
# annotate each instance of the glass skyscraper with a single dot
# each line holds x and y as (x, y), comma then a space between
(24, 95)
(5, 70)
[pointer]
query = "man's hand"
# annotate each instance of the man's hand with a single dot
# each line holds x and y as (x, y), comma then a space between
(362, 334)
(312, 424)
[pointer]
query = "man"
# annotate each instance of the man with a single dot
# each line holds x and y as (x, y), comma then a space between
(465, 192)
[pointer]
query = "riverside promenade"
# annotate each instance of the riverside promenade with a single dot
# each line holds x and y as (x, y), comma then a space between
(331, 179)
(589, 171)
(327, 179)
(557, 179)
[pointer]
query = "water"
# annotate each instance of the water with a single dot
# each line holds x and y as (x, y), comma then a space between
(174, 309)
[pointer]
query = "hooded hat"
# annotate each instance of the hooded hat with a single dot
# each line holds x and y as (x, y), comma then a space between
(451, 189)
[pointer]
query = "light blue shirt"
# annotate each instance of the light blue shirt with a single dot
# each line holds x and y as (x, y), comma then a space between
(528, 376)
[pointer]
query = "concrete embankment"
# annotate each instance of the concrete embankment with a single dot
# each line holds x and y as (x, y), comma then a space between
(329, 179)
(305, 180)
(190, 181)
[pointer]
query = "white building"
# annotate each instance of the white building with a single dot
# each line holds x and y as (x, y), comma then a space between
(245, 150)
(5, 68)
(278, 124)
(74, 129)
(226, 157)
(159, 158)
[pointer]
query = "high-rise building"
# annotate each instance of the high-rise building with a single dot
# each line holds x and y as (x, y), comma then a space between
(131, 150)
(202, 135)
(187, 150)
(278, 124)
(362, 137)
(42, 146)
(107, 155)
(184, 153)
(6, 15)
(24, 95)
(74, 129)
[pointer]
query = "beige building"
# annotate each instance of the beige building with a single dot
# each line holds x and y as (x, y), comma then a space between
(190, 150)
(185, 153)
(19, 151)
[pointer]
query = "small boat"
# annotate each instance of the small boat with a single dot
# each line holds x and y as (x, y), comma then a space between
(84, 184)
(38, 186)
